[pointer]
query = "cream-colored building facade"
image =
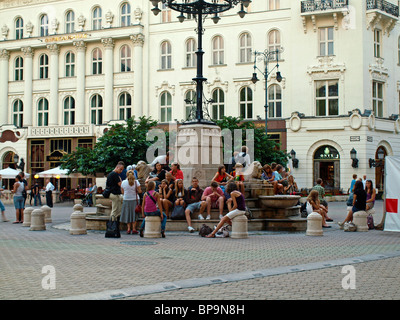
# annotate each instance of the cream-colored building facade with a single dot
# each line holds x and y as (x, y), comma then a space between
(70, 68)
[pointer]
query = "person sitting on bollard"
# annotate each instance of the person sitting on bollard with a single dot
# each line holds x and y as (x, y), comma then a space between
(317, 207)
(193, 202)
(151, 200)
(359, 202)
(236, 205)
(167, 196)
(222, 178)
(214, 198)
(371, 194)
(321, 195)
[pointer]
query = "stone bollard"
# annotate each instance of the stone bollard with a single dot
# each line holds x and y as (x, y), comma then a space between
(361, 221)
(47, 214)
(239, 227)
(371, 212)
(78, 221)
(152, 228)
(37, 220)
(27, 217)
(314, 224)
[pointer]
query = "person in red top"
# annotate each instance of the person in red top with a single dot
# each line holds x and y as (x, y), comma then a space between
(176, 171)
(214, 198)
(222, 178)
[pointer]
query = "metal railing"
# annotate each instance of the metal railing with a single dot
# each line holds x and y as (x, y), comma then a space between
(321, 5)
(384, 6)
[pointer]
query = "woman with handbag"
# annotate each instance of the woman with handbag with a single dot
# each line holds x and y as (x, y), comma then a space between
(130, 189)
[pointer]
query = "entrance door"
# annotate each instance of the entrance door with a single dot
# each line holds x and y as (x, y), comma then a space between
(327, 167)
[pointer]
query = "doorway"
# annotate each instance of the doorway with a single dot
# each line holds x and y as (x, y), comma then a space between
(327, 167)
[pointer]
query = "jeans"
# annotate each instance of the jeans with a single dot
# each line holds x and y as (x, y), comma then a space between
(153, 214)
(36, 199)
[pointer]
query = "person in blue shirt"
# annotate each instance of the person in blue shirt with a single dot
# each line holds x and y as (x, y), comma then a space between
(277, 183)
(350, 199)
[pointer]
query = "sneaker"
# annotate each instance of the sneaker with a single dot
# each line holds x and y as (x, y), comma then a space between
(220, 216)
(200, 217)
(191, 229)
(208, 217)
(341, 225)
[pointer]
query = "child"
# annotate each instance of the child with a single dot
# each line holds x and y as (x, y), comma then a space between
(238, 177)
(236, 206)
(179, 193)
(149, 208)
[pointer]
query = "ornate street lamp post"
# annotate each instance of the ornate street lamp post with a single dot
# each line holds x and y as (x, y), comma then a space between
(200, 9)
(267, 56)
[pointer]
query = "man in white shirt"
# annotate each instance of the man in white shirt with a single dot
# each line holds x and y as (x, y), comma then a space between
(49, 193)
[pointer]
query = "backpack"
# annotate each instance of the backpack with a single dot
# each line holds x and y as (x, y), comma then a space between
(222, 233)
(205, 230)
(303, 210)
(370, 222)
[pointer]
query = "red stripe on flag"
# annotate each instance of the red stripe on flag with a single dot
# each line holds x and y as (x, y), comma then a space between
(392, 205)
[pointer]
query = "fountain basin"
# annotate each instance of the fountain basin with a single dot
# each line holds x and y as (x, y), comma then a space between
(278, 201)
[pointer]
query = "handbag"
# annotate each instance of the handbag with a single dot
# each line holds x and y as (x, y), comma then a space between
(106, 193)
(178, 213)
(113, 230)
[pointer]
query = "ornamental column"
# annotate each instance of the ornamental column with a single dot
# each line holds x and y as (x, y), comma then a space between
(80, 82)
(138, 41)
(108, 63)
(28, 80)
(53, 112)
(4, 58)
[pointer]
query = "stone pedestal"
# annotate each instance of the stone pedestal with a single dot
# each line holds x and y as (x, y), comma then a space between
(361, 221)
(78, 221)
(37, 220)
(199, 152)
(239, 227)
(47, 214)
(314, 224)
(152, 227)
(27, 217)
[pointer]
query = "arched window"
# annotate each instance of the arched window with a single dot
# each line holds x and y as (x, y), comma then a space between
(19, 28)
(125, 15)
(44, 25)
(125, 106)
(96, 18)
(217, 50)
(218, 104)
(190, 101)
(18, 113)
(191, 58)
(166, 107)
(96, 109)
(166, 55)
(43, 112)
(19, 69)
(126, 58)
(70, 22)
(246, 103)
(70, 64)
(44, 66)
(275, 101)
(97, 61)
(69, 111)
(245, 50)
(8, 160)
(274, 41)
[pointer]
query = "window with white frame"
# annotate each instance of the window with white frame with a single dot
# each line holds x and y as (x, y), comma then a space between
(218, 104)
(97, 61)
(70, 64)
(19, 69)
(217, 50)
(125, 106)
(246, 103)
(96, 18)
(245, 48)
(274, 101)
(18, 113)
(165, 13)
(274, 42)
(43, 112)
(69, 111)
(377, 43)
(190, 101)
(165, 107)
(326, 43)
(274, 4)
(44, 25)
(69, 22)
(327, 98)
(19, 28)
(44, 66)
(166, 55)
(96, 109)
(125, 15)
(191, 57)
(126, 58)
(377, 98)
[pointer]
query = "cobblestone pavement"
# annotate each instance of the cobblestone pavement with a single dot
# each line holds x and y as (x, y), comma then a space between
(93, 267)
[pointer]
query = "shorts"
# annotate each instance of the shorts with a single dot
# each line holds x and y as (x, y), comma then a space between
(355, 209)
(2, 208)
(235, 213)
(19, 202)
(193, 206)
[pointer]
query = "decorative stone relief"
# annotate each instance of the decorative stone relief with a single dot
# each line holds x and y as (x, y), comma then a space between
(109, 19)
(4, 32)
(326, 68)
(217, 83)
(107, 42)
(397, 126)
(355, 120)
(81, 22)
(378, 71)
(80, 45)
(28, 51)
(371, 121)
(4, 54)
(295, 122)
(54, 26)
(29, 29)
(137, 39)
(138, 15)
(165, 87)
